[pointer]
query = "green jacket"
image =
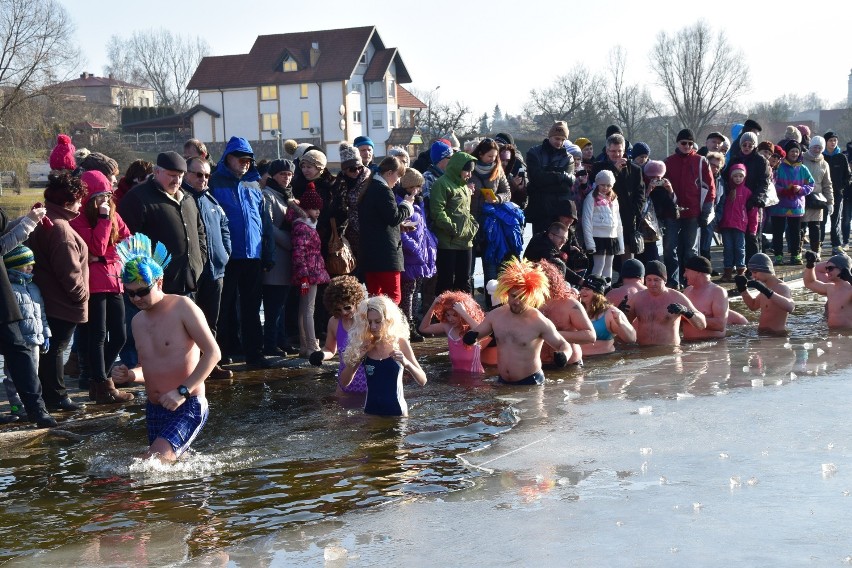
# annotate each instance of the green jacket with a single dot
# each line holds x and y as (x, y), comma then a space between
(449, 205)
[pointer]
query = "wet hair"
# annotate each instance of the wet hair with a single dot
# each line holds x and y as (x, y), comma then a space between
(138, 169)
(448, 299)
(141, 269)
(63, 188)
(394, 327)
(597, 305)
(343, 290)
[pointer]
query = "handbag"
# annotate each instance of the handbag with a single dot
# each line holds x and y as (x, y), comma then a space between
(339, 260)
(816, 201)
(649, 226)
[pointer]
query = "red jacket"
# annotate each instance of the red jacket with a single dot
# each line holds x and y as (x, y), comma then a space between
(685, 172)
(104, 262)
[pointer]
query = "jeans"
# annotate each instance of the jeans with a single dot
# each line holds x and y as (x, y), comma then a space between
(733, 243)
(21, 368)
(274, 297)
(50, 368)
(208, 298)
(680, 243)
(836, 219)
(242, 277)
(103, 336)
(453, 270)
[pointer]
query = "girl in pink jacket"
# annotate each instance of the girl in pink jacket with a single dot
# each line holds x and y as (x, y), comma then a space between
(103, 336)
(736, 222)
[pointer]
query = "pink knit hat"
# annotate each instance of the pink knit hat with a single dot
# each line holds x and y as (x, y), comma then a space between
(62, 156)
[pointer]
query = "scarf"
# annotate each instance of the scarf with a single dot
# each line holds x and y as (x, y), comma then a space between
(19, 277)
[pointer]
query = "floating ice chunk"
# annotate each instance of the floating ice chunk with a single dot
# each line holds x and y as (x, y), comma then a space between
(807, 346)
(619, 523)
(674, 550)
(793, 376)
(646, 409)
(764, 453)
(778, 383)
(570, 395)
(830, 446)
(697, 506)
(757, 383)
(334, 552)
(563, 481)
(746, 368)
(846, 493)
(683, 395)
(828, 343)
(539, 478)
(644, 467)
(664, 480)
(735, 481)
(828, 469)
(820, 352)
(752, 481)
(723, 456)
(788, 345)
(646, 451)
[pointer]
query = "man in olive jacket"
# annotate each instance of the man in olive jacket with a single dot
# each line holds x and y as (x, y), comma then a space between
(453, 224)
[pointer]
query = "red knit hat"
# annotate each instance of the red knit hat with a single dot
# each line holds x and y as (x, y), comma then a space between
(311, 199)
(62, 156)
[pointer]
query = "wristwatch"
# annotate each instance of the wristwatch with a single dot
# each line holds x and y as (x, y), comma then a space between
(183, 391)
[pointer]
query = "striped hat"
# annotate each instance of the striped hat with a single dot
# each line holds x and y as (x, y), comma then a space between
(18, 257)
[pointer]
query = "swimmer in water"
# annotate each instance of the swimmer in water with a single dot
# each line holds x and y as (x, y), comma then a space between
(457, 313)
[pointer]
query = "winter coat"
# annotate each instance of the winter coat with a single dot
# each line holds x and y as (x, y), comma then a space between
(629, 188)
(822, 184)
(242, 201)
(61, 266)
(790, 203)
(380, 215)
(687, 171)
(551, 176)
(601, 219)
(277, 250)
(499, 185)
(758, 172)
(449, 207)
(148, 209)
(430, 176)
(34, 326)
(216, 229)
(735, 215)
(419, 247)
(16, 232)
(105, 265)
(324, 186)
(503, 228)
(541, 247)
(307, 254)
(838, 167)
(9, 311)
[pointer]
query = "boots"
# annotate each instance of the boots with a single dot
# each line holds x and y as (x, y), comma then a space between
(741, 271)
(106, 393)
(727, 276)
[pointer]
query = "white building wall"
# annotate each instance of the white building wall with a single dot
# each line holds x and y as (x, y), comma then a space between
(203, 127)
(241, 114)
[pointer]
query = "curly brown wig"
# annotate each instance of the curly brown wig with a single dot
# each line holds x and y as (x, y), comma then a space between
(343, 290)
(63, 188)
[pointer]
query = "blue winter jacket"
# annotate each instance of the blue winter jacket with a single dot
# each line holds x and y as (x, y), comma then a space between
(503, 226)
(34, 326)
(218, 233)
(242, 200)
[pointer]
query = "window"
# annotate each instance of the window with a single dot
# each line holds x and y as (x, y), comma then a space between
(391, 88)
(270, 121)
(378, 119)
(355, 87)
(392, 119)
(376, 91)
(289, 65)
(363, 60)
(269, 93)
(303, 90)
(306, 120)
(356, 116)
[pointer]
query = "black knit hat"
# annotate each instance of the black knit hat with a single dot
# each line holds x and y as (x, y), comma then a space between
(613, 129)
(750, 124)
(278, 166)
(504, 138)
(595, 284)
(699, 264)
(685, 134)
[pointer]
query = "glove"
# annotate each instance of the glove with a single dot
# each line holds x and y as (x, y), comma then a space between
(470, 337)
(560, 359)
(741, 282)
(624, 306)
(45, 347)
(760, 287)
(810, 258)
(680, 309)
(305, 287)
(316, 358)
(572, 277)
(704, 218)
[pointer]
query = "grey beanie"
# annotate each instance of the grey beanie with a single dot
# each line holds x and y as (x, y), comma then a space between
(632, 268)
(841, 261)
(761, 263)
(748, 137)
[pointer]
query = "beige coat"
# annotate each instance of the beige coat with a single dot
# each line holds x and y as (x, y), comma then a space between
(822, 184)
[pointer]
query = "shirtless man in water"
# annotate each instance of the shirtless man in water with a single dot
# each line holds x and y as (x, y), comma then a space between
(177, 351)
(774, 298)
(837, 288)
(708, 298)
(656, 312)
(632, 275)
(520, 329)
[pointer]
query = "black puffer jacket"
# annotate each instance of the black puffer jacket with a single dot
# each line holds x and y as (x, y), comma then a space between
(551, 176)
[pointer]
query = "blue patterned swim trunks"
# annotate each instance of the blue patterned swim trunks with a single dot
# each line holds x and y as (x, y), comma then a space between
(178, 427)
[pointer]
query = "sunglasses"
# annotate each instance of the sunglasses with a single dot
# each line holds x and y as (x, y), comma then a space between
(244, 160)
(355, 169)
(828, 269)
(140, 293)
(202, 175)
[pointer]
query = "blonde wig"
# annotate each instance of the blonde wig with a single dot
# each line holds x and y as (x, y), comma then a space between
(394, 327)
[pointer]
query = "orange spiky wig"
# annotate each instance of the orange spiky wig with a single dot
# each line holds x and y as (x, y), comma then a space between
(526, 279)
(448, 299)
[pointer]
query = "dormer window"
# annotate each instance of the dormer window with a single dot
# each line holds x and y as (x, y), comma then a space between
(289, 64)
(363, 60)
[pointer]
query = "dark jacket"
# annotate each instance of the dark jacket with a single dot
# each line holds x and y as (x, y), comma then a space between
(758, 174)
(551, 176)
(380, 216)
(540, 246)
(9, 310)
(629, 188)
(838, 169)
(148, 209)
(216, 228)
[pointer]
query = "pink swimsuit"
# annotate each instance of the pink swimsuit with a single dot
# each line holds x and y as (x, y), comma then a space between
(464, 357)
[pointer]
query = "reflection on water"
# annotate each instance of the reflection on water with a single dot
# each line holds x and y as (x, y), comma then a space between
(285, 451)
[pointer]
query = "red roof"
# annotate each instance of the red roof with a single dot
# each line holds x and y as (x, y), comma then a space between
(404, 98)
(340, 50)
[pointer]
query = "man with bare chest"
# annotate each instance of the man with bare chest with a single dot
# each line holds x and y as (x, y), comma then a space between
(837, 288)
(177, 352)
(656, 312)
(567, 314)
(774, 298)
(518, 326)
(708, 298)
(632, 275)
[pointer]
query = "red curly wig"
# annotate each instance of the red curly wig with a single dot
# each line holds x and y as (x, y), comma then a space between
(448, 299)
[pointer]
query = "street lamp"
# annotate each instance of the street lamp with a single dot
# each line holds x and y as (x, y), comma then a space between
(667, 139)
(277, 134)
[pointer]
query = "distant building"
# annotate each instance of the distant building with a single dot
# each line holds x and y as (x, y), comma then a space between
(319, 86)
(107, 91)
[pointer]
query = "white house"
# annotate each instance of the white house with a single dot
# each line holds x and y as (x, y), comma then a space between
(320, 87)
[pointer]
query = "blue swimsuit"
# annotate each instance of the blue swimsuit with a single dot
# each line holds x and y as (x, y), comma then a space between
(599, 323)
(384, 388)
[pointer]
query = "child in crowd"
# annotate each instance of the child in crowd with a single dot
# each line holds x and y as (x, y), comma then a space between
(341, 299)
(19, 265)
(378, 342)
(308, 266)
(457, 313)
(419, 248)
(602, 232)
(736, 222)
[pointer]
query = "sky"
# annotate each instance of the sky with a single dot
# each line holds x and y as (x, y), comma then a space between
(495, 53)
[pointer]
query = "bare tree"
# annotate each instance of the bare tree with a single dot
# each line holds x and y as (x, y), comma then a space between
(37, 51)
(566, 97)
(631, 106)
(438, 118)
(160, 59)
(700, 74)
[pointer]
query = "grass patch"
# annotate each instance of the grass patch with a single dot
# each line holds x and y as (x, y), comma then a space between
(16, 204)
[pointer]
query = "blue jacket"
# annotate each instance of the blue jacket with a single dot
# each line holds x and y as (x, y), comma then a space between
(218, 234)
(503, 225)
(34, 325)
(242, 200)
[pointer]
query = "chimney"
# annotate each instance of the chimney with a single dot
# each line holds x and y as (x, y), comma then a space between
(84, 75)
(315, 53)
(111, 76)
